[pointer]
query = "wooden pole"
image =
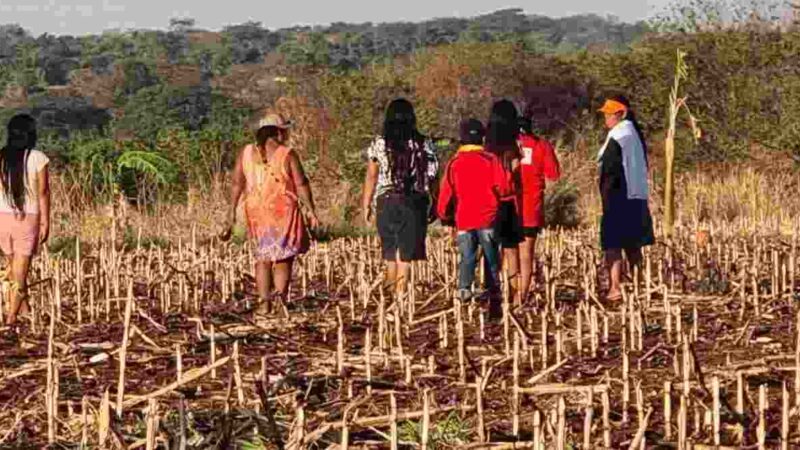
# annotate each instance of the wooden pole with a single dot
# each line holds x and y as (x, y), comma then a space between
(213, 353)
(716, 410)
(426, 418)
(152, 424)
(762, 421)
(479, 406)
(237, 373)
(606, 420)
(785, 412)
(393, 421)
(51, 400)
(124, 348)
(587, 421)
(515, 393)
(561, 436)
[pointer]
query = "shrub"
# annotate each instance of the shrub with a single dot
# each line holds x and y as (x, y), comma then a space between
(561, 207)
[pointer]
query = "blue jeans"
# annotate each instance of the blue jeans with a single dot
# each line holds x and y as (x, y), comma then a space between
(468, 242)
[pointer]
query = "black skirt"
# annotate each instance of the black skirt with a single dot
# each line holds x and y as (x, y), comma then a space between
(626, 224)
(403, 226)
(508, 225)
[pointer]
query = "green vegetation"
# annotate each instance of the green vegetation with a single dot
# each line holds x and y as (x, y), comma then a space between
(744, 90)
(447, 433)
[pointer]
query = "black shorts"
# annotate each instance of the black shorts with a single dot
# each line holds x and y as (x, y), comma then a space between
(509, 226)
(531, 232)
(403, 226)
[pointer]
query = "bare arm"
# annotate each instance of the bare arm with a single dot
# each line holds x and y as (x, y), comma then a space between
(44, 205)
(370, 181)
(303, 186)
(237, 187)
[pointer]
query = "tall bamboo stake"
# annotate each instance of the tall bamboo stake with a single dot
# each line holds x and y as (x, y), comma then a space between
(667, 411)
(716, 411)
(124, 348)
(393, 420)
(152, 424)
(587, 420)
(51, 396)
(426, 418)
(762, 421)
(784, 417)
(479, 407)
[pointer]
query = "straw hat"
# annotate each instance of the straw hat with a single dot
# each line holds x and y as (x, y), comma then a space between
(274, 120)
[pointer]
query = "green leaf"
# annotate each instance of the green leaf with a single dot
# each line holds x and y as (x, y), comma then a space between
(160, 168)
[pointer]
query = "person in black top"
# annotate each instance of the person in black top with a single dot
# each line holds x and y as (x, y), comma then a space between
(626, 224)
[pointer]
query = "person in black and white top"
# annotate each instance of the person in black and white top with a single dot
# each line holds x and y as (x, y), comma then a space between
(626, 224)
(401, 167)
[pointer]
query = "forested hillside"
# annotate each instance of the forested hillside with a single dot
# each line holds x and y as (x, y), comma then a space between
(156, 113)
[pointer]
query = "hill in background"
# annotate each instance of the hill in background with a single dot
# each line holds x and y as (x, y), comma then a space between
(83, 82)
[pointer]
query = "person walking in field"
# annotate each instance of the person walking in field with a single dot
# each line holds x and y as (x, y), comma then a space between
(538, 163)
(501, 139)
(626, 225)
(402, 164)
(270, 178)
(475, 183)
(24, 207)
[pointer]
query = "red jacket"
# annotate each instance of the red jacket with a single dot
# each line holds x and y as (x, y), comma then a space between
(477, 180)
(538, 163)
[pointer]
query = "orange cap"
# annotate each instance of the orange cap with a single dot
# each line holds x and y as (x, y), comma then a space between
(613, 107)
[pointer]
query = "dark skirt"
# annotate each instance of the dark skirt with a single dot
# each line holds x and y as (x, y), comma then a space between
(508, 225)
(626, 224)
(403, 226)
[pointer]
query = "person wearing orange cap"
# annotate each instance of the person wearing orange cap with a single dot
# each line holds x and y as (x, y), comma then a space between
(270, 177)
(626, 225)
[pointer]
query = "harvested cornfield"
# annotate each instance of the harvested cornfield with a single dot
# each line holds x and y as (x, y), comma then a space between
(166, 348)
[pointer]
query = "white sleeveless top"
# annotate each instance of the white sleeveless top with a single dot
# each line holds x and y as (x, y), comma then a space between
(36, 162)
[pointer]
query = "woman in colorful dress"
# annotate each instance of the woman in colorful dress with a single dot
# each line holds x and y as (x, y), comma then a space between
(538, 163)
(24, 207)
(401, 168)
(501, 139)
(626, 225)
(270, 177)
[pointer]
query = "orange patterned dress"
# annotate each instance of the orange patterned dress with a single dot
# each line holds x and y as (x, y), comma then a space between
(271, 207)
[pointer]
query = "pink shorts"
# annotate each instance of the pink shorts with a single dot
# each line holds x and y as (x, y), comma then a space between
(19, 236)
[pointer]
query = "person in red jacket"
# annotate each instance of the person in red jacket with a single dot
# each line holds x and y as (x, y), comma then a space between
(538, 163)
(502, 134)
(475, 182)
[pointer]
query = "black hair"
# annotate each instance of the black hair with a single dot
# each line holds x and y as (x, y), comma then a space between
(526, 124)
(631, 115)
(266, 133)
(503, 127)
(20, 139)
(502, 131)
(408, 163)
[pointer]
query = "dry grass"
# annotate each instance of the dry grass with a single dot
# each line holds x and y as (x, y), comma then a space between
(707, 313)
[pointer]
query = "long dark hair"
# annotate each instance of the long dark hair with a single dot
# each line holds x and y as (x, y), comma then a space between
(408, 163)
(631, 115)
(20, 139)
(502, 131)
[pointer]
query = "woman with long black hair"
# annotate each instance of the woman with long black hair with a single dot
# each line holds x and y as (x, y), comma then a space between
(502, 140)
(626, 224)
(402, 165)
(24, 207)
